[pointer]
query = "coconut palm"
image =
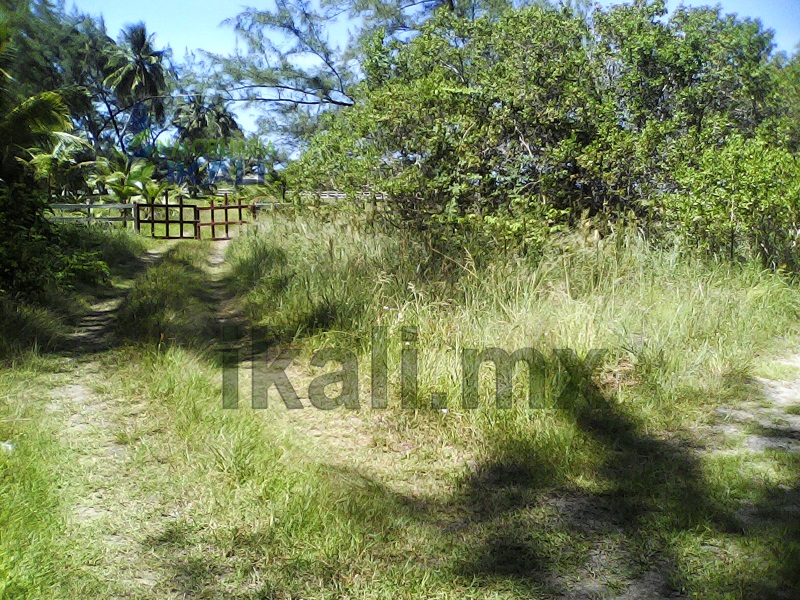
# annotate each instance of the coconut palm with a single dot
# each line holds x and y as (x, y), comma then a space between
(25, 125)
(199, 118)
(136, 72)
(67, 167)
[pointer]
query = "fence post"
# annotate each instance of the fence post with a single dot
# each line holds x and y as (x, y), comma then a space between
(153, 219)
(213, 221)
(196, 211)
(227, 218)
(180, 215)
(166, 214)
(136, 224)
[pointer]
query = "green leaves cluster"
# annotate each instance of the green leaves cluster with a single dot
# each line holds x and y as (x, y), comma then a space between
(543, 114)
(744, 195)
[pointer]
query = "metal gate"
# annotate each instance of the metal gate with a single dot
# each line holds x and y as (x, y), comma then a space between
(180, 220)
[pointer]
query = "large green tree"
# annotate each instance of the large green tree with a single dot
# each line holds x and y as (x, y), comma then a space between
(544, 114)
(25, 125)
(137, 75)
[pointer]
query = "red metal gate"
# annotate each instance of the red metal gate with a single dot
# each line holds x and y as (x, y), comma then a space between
(186, 221)
(232, 214)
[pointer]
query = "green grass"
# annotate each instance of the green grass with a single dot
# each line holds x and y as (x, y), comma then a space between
(561, 501)
(681, 334)
(172, 301)
(36, 560)
(95, 258)
(307, 529)
(682, 337)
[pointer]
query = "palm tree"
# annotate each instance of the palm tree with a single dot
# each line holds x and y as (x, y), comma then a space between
(66, 168)
(199, 119)
(25, 125)
(136, 73)
(28, 125)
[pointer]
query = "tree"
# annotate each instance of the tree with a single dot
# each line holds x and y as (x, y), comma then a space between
(199, 118)
(204, 128)
(545, 114)
(137, 75)
(32, 123)
(67, 168)
(288, 66)
(292, 69)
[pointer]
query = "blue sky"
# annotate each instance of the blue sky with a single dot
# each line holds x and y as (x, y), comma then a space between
(193, 24)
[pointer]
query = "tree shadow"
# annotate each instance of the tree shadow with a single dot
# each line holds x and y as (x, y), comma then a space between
(516, 524)
(774, 521)
(68, 317)
(214, 562)
(524, 523)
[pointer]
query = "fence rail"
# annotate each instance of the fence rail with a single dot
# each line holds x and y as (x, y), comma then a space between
(125, 212)
(162, 219)
(238, 211)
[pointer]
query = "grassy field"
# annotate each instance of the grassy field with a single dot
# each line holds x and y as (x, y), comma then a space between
(639, 491)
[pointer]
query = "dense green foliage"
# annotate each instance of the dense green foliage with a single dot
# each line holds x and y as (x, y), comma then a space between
(543, 115)
(510, 121)
(80, 116)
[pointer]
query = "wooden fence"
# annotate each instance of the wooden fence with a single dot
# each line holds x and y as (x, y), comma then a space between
(66, 213)
(171, 216)
(239, 211)
(182, 220)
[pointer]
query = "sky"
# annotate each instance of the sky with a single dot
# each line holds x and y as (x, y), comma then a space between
(193, 24)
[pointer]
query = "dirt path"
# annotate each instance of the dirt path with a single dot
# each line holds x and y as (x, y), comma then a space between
(774, 422)
(110, 508)
(113, 488)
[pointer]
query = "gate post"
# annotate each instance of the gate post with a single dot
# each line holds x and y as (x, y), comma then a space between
(136, 224)
(166, 215)
(180, 215)
(213, 221)
(196, 222)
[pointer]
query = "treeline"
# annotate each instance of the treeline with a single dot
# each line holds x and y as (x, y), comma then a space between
(84, 114)
(535, 117)
(480, 115)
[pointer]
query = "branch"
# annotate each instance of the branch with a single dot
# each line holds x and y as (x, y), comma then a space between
(327, 100)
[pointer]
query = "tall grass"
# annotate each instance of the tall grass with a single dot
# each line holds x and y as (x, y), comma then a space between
(86, 261)
(680, 328)
(682, 335)
(173, 301)
(547, 491)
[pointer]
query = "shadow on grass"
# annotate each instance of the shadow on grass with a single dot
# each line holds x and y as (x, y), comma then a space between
(623, 539)
(307, 550)
(45, 322)
(518, 522)
(516, 525)
(782, 509)
(148, 298)
(173, 302)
